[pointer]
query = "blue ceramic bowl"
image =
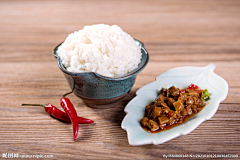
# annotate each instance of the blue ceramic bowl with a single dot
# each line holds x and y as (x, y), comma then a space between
(99, 91)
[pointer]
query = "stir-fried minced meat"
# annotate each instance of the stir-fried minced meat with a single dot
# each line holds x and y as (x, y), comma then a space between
(172, 106)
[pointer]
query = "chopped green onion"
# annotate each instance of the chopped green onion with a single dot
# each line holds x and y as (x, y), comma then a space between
(205, 95)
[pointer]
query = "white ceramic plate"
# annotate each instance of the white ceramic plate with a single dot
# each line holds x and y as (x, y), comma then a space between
(180, 77)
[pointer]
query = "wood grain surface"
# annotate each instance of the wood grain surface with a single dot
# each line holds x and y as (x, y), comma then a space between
(175, 33)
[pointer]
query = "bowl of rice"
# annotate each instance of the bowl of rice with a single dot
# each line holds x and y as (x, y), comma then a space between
(100, 63)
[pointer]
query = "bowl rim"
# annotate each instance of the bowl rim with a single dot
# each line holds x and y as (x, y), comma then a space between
(137, 70)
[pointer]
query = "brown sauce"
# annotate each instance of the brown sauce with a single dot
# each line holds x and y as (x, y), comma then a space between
(169, 126)
(171, 108)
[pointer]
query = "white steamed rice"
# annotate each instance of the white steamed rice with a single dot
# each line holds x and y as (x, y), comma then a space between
(103, 49)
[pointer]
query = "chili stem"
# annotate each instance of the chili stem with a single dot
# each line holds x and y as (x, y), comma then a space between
(34, 105)
(67, 94)
(72, 89)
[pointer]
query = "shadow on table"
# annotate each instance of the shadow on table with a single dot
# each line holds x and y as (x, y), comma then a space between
(108, 120)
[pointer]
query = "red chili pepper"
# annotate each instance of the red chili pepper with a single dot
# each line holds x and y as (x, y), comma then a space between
(70, 110)
(192, 86)
(199, 92)
(57, 113)
(182, 91)
(170, 114)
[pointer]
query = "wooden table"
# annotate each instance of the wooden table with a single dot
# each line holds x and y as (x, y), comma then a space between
(186, 33)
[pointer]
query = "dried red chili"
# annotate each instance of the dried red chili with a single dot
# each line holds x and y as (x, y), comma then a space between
(182, 91)
(170, 114)
(58, 114)
(192, 86)
(196, 88)
(70, 110)
(199, 91)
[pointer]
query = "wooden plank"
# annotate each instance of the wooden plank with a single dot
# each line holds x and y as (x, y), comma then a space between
(190, 33)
